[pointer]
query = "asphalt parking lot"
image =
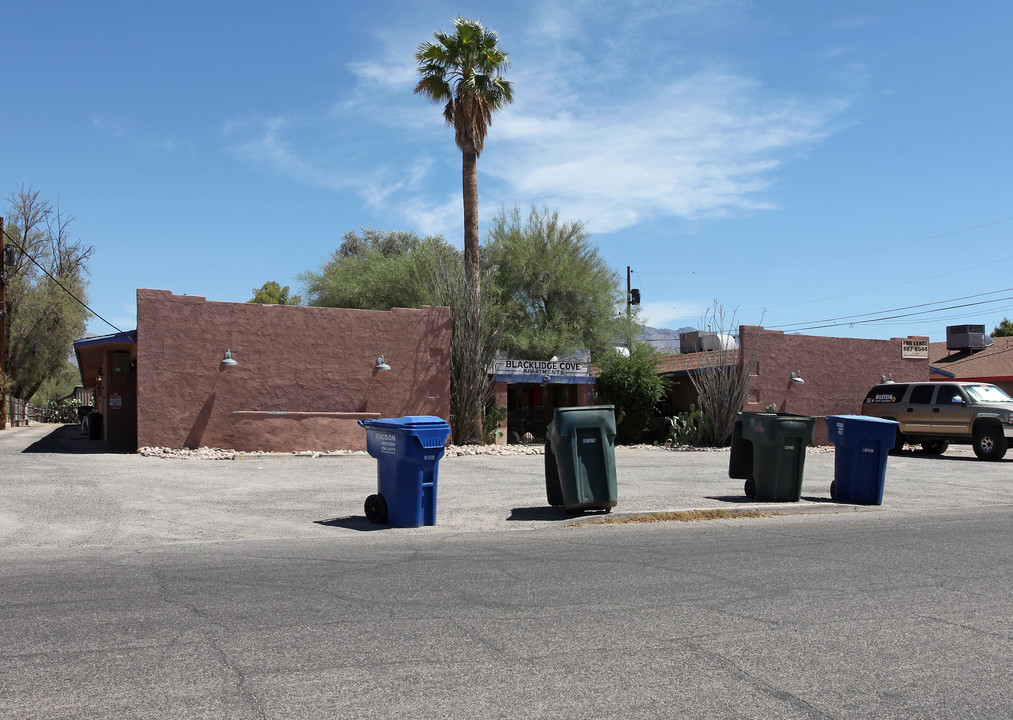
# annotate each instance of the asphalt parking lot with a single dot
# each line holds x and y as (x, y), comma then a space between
(60, 489)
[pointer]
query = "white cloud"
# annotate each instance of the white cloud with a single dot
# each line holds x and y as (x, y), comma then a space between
(606, 135)
(443, 217)
(394, 74)
(671, 313)
(705, 145)
(269, 148)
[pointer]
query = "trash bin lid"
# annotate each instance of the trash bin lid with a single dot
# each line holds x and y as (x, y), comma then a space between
(411, 421)
(862, 418)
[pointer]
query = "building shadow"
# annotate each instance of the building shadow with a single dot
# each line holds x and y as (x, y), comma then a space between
(68, 439)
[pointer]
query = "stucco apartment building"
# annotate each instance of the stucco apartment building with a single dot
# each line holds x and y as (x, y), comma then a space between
(295, 378)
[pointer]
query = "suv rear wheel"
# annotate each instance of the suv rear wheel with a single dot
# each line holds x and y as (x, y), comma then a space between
(935, 447)
(989, 442)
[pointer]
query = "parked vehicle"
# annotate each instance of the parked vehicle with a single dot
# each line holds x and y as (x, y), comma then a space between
(935, 414)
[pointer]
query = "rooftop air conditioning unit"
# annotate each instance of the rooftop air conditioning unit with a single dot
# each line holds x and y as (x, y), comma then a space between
(967, 337)
(698, 341)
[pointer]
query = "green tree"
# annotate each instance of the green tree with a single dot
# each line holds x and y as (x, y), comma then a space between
(378, 270)
(556, 292)
(631, 383)
(45, 292)
(271, 293)
(1003, 329)
(463, 72)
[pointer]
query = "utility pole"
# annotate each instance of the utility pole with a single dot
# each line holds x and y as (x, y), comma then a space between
(629, 331)
(632, 298)
(3, 326)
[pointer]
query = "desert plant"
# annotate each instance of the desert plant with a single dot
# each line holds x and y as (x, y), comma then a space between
(490, 423)
(691, 427)
(722, 384)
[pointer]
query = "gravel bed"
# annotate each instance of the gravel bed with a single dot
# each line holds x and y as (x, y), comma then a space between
(206, 453)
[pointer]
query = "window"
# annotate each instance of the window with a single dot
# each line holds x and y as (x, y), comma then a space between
(889, 393)
(947, 393)
(987, 393)
(922, 394)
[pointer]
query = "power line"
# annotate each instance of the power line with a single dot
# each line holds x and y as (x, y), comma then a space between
(62, 287)
(908, 307)
(915, 281)
(894, 317)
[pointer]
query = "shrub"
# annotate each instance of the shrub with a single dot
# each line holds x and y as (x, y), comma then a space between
(633, 386)
(60, 411)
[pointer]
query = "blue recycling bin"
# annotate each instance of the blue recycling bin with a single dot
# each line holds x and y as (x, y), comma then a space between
(861, 446)
(408, 452)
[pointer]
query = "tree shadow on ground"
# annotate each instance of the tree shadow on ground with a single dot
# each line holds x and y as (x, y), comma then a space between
(69, 439)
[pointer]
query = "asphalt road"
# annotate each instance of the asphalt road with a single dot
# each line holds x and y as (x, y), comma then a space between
(503, 609)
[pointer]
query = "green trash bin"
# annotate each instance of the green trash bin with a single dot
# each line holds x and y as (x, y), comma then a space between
(777, 443)
(582, 442)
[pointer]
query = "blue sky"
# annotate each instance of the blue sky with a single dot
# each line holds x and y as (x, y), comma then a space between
(804, 164)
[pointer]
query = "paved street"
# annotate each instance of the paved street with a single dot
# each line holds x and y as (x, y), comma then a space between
(139, 587)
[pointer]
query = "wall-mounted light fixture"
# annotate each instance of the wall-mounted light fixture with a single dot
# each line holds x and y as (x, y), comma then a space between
(228, 360)
(98, 375)
(796, 377)
(381, 364)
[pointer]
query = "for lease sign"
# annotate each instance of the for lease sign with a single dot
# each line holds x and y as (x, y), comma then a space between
(915, 349)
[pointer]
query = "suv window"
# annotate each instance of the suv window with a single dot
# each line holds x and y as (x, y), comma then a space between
(888, 393)
(947, 393)
(922, 394)
(987, 393)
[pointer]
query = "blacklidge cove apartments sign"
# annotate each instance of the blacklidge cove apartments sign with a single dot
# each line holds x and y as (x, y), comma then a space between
(552, 368)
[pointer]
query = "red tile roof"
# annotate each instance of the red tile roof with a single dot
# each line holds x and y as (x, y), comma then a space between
(994, 363)
(687, 362)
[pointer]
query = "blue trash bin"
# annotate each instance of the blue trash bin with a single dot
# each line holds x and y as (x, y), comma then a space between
(861, 447)
(408, 452)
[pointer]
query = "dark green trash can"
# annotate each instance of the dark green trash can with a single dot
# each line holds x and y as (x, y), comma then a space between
(581, 442)
(776, 444)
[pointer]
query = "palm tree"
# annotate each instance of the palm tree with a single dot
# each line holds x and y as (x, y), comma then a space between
(463, 72)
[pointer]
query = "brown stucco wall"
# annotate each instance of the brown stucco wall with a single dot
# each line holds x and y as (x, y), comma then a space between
(315, 365)
(838, 372)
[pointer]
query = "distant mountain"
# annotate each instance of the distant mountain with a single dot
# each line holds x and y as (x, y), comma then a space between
(664, 339)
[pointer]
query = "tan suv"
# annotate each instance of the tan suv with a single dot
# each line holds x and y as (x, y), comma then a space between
(936, 414)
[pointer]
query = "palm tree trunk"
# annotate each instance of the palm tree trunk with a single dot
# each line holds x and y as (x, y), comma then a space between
(469, 172)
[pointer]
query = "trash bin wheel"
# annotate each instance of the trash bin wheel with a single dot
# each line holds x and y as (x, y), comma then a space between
(750, 489)
(833, 489)
(376, 509)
